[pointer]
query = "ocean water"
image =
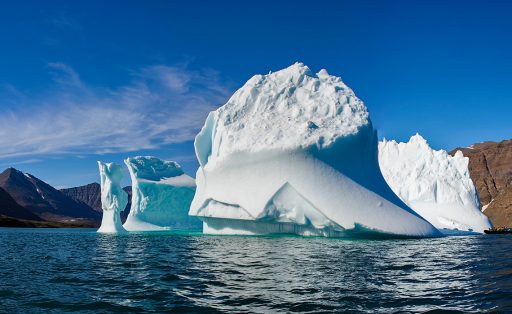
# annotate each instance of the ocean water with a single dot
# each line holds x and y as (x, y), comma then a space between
(80, 271)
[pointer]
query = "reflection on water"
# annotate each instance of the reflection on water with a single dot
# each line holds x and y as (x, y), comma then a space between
(82, 271)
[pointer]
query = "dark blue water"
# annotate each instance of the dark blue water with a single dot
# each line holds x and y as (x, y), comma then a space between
(80, 271)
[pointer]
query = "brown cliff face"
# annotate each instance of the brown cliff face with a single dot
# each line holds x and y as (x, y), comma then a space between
(490, 168)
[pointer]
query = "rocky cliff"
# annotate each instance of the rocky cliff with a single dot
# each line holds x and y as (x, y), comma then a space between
(89, 194)
(490, 167)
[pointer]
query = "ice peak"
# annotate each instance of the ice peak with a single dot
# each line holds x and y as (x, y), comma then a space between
(295, 73)
(112, 170)
(291, 98)
(459, 155)
(298, 67)
(152, 168)
(418, 139)
(322, 73)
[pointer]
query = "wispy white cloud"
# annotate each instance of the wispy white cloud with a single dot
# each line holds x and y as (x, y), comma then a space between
(162, 105)
(64, 75)
(22, 162)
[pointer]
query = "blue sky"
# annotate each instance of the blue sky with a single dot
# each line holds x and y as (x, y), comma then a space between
(88, 80)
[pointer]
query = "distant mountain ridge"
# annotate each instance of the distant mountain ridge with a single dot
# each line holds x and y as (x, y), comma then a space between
(490, 168)
(42, 201)
(90, 194)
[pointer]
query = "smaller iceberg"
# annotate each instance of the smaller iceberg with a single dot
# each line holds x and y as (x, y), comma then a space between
(113, 197)
(161, 196)
(433, 183)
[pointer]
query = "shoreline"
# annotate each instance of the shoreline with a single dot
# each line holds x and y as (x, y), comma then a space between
(9, 222)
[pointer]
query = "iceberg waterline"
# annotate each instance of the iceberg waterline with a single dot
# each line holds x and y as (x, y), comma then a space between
(433, 183)
(295, 148)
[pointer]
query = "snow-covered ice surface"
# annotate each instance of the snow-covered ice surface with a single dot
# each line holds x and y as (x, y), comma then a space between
(295, 152)
(113, 197)
(433, 183)
(161, 196)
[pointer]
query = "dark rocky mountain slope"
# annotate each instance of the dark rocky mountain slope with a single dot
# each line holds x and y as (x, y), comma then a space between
(44, 201)
(9, 208)
(89, 194)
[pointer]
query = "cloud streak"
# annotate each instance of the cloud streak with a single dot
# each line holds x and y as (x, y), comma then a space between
(161, 105)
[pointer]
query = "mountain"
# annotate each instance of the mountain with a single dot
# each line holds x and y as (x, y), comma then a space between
(490, 168)
(9, 208)
(43, 200)
(90, 194)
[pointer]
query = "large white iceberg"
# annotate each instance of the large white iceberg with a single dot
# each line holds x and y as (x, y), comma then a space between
(113, 197)
(161, 196)
(433, 183)
(295, 152)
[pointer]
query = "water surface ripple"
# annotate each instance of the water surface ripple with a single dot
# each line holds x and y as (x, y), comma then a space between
(80, 271)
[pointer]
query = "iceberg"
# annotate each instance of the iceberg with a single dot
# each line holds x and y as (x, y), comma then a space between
(161, 196)
(113, 197)
(433, 183)
(296, 152)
